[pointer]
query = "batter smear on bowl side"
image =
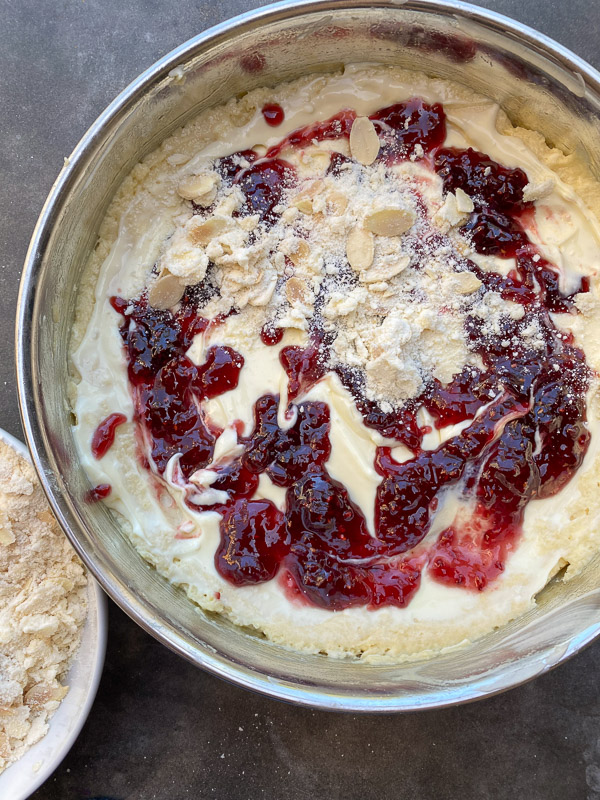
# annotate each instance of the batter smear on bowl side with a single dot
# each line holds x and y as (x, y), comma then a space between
(335, 363)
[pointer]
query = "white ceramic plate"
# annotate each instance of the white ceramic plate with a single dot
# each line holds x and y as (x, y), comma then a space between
(23, 777)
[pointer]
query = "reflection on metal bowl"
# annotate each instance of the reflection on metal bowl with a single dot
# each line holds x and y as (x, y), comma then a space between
(538, 83)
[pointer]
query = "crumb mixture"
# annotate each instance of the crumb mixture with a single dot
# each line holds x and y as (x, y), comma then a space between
(395, 314)
(42, 608)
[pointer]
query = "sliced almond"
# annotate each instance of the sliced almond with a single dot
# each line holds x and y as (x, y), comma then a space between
(465, 282)
(296, 290)
(6, 536)
(300, 252)
(337, 202)
(303, 204)
(385, 271)
(304, 199)
(41, 693)
(536, 191)
(204, 232)
(165, 292)
(198, 188)
(390, 221)
(364, 142)
(464, 203)
(360, 249)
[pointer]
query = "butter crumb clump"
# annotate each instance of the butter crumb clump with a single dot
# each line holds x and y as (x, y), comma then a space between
(369, 253)
(43, 606)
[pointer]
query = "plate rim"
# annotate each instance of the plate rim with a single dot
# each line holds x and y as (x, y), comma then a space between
(13, 777)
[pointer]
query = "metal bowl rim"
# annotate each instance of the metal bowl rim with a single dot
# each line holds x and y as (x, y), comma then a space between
(25, 336)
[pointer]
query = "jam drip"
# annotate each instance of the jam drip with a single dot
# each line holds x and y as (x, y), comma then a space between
(99, 492)
(273, 114)
(524, 409)
(104, 435)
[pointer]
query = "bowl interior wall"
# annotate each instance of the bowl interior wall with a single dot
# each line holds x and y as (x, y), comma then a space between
(535, 88)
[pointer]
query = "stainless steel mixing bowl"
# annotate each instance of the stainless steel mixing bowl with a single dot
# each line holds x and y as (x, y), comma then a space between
(540, 85)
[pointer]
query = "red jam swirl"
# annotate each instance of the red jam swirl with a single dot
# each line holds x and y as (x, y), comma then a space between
(527, 441)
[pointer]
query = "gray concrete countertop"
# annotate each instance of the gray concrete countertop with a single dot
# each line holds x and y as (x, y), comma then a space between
(161, 728)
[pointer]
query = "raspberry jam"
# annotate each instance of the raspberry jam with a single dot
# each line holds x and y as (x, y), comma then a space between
(273, 114)
(263, 185)
(409, 129)
(271, 335)
(413, 128)
(167, 386)
(523, 407)
(104, 435)
(99, 492)
(337, 127)
(486, 182)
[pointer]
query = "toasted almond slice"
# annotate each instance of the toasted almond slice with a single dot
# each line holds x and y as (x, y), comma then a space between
(197, 187)
(360, 249)
(337, 202)
(165, 291)
(463, 201)
(465, 282)
(304, 199)
(300, 252)
(390, 221)
(384, 272)
(303, 204)
(364, 142)
(296, 290)
(41, 693)
(204, 232)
